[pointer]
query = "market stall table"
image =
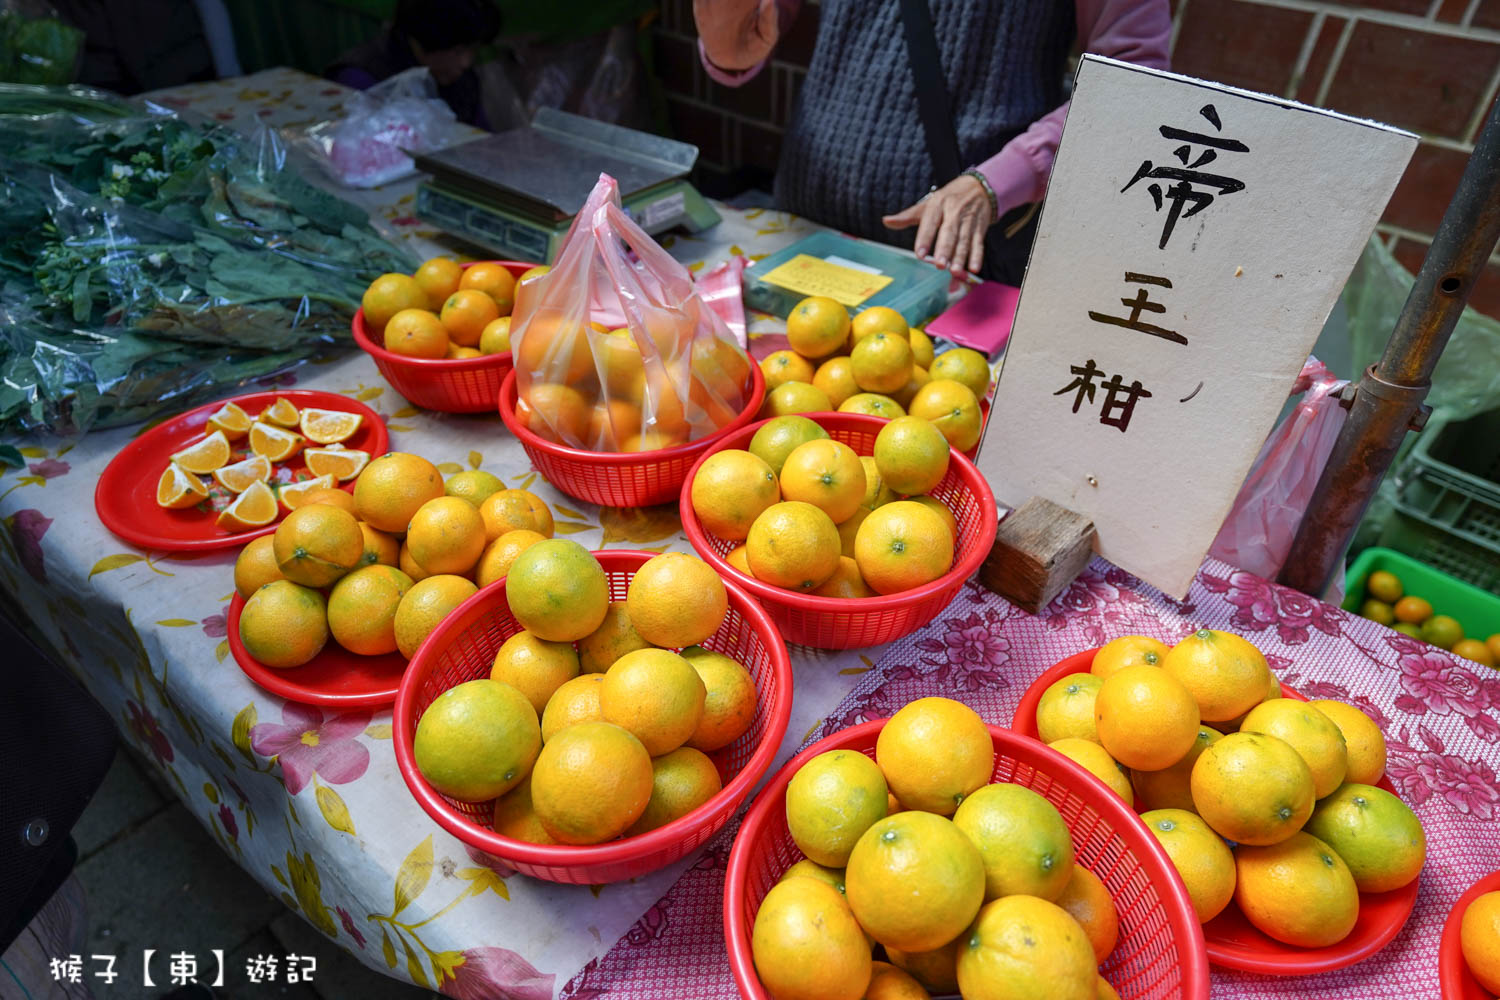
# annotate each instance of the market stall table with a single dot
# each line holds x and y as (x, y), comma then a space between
(311, 804)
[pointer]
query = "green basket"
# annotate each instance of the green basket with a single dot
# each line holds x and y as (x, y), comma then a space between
(1478, 611)
(1465, 453)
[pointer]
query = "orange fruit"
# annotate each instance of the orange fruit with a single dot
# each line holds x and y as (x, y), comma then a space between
(380, 549)
(255, 567)
(729, 701)
(778, 438)
(575, 700)
(1479, 939)
(499, 555)
(474, 485)
(283, 413)
(676, 600)
(1106, 991)
(477, 741)
(1127, 651)
(406, 564)
(781, 367)
(1412, 610)
(1364, 743)
(254, 508)
(362, 609)
(229, 418)
(877, 319)
(557, 413)
(590, 783)
(276, 444)
(889, 983)
(456, 352)
(793, 545)
(836, 378)
(882, 361)
(446, 535)
(284, 624)
(320, 490)
(611, 424)
(328, 426)
(1066, 709)
(908, 392)
(388, 295)
(1475, 650)
(795, 397)
(963, 364)
(657, 695)
(1384, 586)
(1252, 788)
(416, 333)
(1442, 631)
(1226, 674)
(393, 487)
(811, 869)
(1022, 839)
(933, 504)
(937, 970)
(205, 455)
(1376, 834)
(318, 543)
(1171, 787)
(1298, 891)
(921, 347)
(827, 474)
(934, 752)
(178, 490)
(495, 337)
(661, 410)
(465, 315)
(872, 404)
(513, 510)
(849, 532)
(1087, 901)
(550, 347)
(902, 545)
(912, 455)
(807, 945)
(681, 781)
(614, 637)
(1493, 642)
(817, 327)
(1312, 734)
(831, 801)
(1378, 611)
(652, 441)
(845, 583)
(914, 880)
(438, 278)
(952, 408)
(739, 558)
(494, 280)
(1096, 760)
(557, 590)
(515, 816)
(1022, 946)
(425, 606)
(534, 667)
(730, 490)
(1200, 857)
(1146, 719)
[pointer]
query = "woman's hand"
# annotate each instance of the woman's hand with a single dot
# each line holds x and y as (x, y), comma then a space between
(951, 223)
(737, 34)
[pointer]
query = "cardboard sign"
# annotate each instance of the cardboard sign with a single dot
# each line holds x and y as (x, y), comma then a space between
(1193, 241)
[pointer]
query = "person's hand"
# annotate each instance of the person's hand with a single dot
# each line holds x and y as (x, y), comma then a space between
(951, 223)
(737, 34)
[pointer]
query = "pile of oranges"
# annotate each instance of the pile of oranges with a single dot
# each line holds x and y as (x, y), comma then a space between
(1387, 602)
(377, 570)
(815, 517)
(968, 886)
(1200, 737)
(589, 726)
(874, 364)
(444, 310)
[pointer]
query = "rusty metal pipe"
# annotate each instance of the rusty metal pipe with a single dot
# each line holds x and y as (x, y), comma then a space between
(1388, 400)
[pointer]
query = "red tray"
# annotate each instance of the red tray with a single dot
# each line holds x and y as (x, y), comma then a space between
(1454, 977)
(1233, 941)
(335, 677)
(125, 498)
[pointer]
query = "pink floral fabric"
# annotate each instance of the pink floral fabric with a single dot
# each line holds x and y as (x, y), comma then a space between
(307, 743)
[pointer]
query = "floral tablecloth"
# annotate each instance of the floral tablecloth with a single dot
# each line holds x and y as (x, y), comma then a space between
(311, 804)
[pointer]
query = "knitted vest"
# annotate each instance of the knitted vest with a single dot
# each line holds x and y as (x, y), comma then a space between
(855, 149)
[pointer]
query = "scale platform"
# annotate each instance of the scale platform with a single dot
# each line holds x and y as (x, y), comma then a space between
(516, 193)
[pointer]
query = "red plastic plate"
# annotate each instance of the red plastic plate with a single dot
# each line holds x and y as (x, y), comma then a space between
(1457, 982)
(125, 497)
(1232, 941)
(335, 677)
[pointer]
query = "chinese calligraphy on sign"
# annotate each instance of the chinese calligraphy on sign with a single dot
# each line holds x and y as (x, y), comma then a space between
(1192, 183)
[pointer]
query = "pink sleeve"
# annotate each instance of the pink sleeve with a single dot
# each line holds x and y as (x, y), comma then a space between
(786, 13)
(1135, 31)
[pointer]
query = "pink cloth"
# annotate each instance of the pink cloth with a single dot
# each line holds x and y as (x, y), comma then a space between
(1136, 31)
(1440, 714)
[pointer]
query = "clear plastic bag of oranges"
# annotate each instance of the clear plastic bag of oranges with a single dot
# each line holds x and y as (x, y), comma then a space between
(614, 349)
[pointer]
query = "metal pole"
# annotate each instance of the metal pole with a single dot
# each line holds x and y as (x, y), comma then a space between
(1388, 400)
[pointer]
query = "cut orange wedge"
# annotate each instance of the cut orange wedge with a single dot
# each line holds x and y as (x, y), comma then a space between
(342, 464)
(283, 412)
(254, 508)
(294, 495)
(204, 456)
(276, 443)
(329, 426)
(233, 421)
(239, 477)
(177, 489)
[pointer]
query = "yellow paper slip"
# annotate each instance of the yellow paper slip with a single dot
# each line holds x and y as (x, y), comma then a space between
(814, 276)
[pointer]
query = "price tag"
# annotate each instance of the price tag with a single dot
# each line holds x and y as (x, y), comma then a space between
(845, 284)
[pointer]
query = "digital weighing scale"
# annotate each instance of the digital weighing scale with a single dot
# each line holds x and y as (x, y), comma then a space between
(516, 193)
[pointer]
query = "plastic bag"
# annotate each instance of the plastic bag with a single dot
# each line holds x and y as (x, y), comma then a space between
(368, 146)
(1257, 535)
(669, 371)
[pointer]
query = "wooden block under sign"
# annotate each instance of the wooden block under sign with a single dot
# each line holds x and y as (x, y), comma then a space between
(1040, 548)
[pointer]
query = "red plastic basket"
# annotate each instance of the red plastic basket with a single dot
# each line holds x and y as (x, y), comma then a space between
(1160, 952)
(463, 648)
(1454, 977)
(450, 385)
(835, 623)
(620, 479)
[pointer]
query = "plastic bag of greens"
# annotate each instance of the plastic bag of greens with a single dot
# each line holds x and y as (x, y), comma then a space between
(36, 46)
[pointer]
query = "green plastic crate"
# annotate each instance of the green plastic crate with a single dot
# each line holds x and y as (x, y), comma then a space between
(1465, 453)
(1478, 611)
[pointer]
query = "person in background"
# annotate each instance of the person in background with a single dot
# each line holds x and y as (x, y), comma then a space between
(444, 36)
(855, 155)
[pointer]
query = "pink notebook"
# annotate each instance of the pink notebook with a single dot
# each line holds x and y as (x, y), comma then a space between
(981, 319)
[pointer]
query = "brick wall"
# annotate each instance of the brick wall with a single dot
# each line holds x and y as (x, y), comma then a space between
(1431, 66)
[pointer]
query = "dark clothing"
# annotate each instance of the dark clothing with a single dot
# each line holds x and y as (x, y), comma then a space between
(390, 53)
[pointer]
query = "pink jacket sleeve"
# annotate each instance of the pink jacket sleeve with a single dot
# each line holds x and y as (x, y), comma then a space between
(1135, 31)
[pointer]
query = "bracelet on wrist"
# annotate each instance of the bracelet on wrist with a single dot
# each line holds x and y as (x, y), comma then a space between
(989, 192)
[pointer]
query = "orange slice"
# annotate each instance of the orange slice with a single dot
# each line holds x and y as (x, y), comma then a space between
(233, 421)
(329, 426)
(275, 443)
(204, 456)
(254, 508)
(293, 495)
(282, 412)
(342, 464)
(239, 477)
(177, 489)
